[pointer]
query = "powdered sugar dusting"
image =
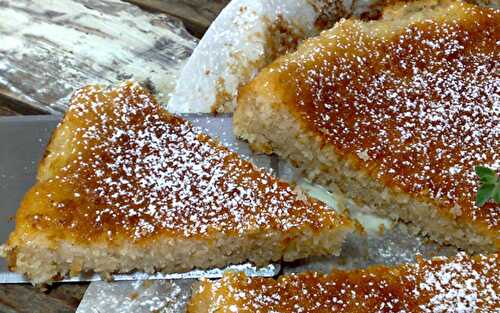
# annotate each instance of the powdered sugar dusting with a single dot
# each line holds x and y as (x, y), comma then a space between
(460, 286)
(136, 170)
(419, 108)
(456, 285)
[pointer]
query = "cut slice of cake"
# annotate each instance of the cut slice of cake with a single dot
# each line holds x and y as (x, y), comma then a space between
(459, 284)
(126, 186)
(394, 113)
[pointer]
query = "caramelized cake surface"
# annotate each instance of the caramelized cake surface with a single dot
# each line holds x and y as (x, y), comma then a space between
(132, 171)
(126, 186)
(411, 101)
(460, 284)
(421, 107)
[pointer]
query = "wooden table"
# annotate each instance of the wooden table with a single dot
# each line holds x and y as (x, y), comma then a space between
(30, 85)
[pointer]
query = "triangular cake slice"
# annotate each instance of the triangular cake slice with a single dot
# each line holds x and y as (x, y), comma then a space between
(458, 284)
(395, 113)
(126, 186)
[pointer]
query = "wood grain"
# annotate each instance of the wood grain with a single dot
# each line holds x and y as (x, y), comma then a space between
(12, 104)
(197, 15)
(6, 111)
(48, 49)
(25, 298)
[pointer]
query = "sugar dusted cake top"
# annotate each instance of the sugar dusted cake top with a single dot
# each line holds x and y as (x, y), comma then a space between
(417, 106)
(461, 284)
(123, 167)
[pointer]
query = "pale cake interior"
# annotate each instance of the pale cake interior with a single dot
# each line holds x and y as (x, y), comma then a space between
(126, 186)
(393, 113)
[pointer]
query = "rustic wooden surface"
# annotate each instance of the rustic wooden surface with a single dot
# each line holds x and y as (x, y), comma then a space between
(6, 111)
(38, 72)
(50, 48)
(23, 298)
(197, 15)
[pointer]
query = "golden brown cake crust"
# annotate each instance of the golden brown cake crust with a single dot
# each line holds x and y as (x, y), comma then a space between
(126, 186)
(414, 105)
(422, 106)
(460, 284)
(132, 171)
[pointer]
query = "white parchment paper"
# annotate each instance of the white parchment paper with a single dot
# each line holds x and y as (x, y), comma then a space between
(240, 42)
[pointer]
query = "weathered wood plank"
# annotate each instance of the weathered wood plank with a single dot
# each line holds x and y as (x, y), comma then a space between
(48, 49)
(197, 15)
(6, 111)
(10, 102)
(25, 298)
